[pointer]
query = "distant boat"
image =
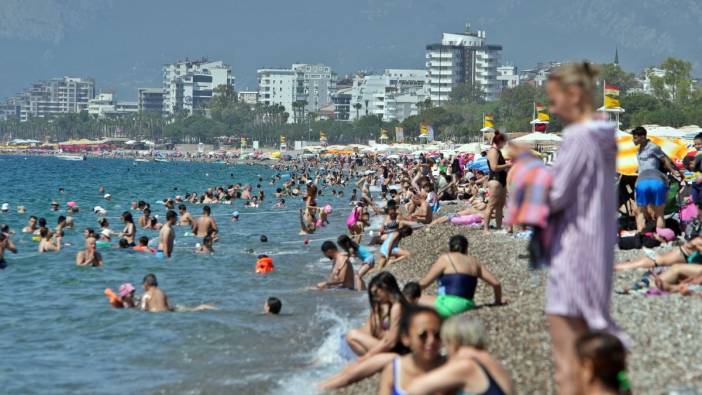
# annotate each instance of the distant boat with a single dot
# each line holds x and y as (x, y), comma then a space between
(141, 160)
(161, 160)
(71, 157)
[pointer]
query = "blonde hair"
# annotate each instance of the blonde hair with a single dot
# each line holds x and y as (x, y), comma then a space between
(581, 74)
(464, 331)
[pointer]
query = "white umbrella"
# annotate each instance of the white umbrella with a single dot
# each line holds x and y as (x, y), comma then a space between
(130, 142)
(538, 137)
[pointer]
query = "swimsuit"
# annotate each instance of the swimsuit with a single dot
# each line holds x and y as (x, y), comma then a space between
(365, 255)
(396, 369)
(455, 293)
(385, 248)
(499, 176)
(492, 389)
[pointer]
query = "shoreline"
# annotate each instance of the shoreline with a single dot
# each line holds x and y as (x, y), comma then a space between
(663, 329)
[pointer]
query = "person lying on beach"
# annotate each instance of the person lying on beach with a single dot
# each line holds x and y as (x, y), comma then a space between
(420, 332)
(390, 252)
(342, 275)
(377, 342)
(5, 244)
(470, 369)
(89, 256)
(690, 252)
(46, 243)
(457, 274)
(680, 278)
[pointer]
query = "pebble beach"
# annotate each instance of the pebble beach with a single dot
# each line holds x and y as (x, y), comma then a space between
(665, 358)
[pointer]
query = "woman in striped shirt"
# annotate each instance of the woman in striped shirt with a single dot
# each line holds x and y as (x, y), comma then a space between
(583, 221)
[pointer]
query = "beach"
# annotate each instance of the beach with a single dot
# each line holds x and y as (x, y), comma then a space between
(664, 329)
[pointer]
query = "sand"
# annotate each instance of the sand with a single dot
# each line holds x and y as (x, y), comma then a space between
(667, 352)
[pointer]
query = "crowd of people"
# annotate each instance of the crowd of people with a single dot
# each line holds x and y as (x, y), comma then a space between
(424, 343)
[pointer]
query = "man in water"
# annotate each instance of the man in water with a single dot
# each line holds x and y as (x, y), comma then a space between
(31, 225)
(185, 217)
(145, 219)
(46, 244)
(154, 299)
(342, 275)
(5, 244)
(89, 256)
(205, 225)
(166, 236)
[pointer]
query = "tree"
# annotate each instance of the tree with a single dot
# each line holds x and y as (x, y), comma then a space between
(516, 106)
(357, 107)
(467, 92)
(676, 82)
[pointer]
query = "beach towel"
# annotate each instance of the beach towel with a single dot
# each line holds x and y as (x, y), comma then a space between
(528, 192)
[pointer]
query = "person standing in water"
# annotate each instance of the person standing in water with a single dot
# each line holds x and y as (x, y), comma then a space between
(205, 225)
(583, 220)
(5, 244)
(166, 236)
(154, 299)
(89, 256)
(342, 275)
(185, 217)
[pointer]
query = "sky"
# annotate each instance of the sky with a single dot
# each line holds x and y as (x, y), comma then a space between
(123, 44)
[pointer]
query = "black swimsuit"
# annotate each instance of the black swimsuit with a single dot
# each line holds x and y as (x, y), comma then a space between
(499, 176)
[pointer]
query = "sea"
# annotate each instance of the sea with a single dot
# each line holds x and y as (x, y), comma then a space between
(59, 335)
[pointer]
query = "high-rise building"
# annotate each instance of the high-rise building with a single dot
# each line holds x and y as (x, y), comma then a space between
(312, 84)
(189, 85)
(56, 96)
(248, 97)
(393, 95)
(105, 105)
(150, 100)
(462, 58)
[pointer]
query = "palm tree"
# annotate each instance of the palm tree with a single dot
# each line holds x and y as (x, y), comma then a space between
(357, 107)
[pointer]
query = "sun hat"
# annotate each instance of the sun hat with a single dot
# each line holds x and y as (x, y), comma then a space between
(125, 289)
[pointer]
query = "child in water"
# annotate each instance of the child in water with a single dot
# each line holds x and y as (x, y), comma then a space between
(206, 246)
(272, 306)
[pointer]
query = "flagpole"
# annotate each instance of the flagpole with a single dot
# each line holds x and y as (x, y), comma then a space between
(533, 125)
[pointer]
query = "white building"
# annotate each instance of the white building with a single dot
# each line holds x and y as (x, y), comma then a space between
(188, 86)
(150, 100)
(393, 95)
(539, 74)
(56, 96)
(248, 97)
(312, 83)
(646, 81)
(462, 58)
(105, 105)
(507, 77)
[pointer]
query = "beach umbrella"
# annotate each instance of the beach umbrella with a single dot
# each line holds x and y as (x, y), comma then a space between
(627, 164)
(539, 137)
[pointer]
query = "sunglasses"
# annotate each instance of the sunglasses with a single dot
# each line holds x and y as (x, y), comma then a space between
(424, 335)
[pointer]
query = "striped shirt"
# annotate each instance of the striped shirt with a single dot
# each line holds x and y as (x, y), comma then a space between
(584, 226)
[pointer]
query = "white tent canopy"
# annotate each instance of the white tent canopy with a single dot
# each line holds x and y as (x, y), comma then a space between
(538, 137)
(663, 131)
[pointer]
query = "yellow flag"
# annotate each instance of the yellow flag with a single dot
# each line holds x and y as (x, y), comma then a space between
(282, 139)
(542, 113)
(611, 96)
(384, 134)
(423, 129)
(243, 141)
(488, 121)
(322, 136)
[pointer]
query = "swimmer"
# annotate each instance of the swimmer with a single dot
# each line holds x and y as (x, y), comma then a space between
(206, 246)
(145, 219)
(166, 236)
(31, 225)
(89, 256)
(105, 231)
(129, 231)
(107, 196)
(264, 239)
(127, 296)
(5, 244)
(154, 299)
(185, 217)
(235, 216)
(272, 306)
(280, 204)
(5, 208)
(205, 225)
(341, 275)
(143, 245)
(307, 223)
(46, 244)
